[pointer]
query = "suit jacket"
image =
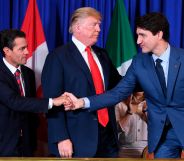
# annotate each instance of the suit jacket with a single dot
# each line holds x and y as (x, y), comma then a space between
(14, 110)
(142, 70)
(66, 70)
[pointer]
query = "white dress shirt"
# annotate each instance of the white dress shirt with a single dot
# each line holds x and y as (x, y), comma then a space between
(81, 47)
(13, 70)
(165, 61)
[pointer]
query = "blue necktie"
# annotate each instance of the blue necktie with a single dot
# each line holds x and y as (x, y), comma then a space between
(161, 77)
(160, 74)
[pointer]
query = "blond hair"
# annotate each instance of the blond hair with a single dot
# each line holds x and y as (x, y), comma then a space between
(82, 13)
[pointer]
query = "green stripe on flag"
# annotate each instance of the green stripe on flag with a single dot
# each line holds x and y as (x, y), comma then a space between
(120, 43)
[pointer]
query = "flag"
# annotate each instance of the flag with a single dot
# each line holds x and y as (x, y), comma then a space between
(37, 45)
(38, 50)
(120, 43)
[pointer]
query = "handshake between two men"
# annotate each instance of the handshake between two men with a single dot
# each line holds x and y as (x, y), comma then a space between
(71, 102)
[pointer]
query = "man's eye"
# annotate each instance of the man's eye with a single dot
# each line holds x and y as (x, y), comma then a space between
(92, 25)
(21, 49)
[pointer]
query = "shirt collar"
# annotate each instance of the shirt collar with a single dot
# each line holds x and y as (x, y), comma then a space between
(164, 56)
(79, 44)
(10, 67)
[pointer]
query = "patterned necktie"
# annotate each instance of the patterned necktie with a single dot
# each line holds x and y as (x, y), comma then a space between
(17, 76)
(160, 74)
(103, 116)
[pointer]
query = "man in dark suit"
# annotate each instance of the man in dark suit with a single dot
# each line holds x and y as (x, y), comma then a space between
(160, 72)
(71, 68)
(16, 96)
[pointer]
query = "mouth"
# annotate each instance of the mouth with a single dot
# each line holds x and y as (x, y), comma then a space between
(24, 59)
(141, 46)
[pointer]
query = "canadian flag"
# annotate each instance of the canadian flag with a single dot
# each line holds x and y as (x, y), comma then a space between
(37, 45)
(38, 51)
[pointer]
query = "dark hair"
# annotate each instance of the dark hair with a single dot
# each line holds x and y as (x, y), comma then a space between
(154, 22)
(7, 38)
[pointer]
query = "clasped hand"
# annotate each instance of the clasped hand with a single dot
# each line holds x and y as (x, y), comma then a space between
(71, 102)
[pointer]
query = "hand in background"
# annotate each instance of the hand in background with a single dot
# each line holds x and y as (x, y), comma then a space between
(75, 104)
(65, 148)
(136, 102)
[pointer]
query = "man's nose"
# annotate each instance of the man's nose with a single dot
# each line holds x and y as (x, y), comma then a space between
(98, 28)
(26, 51)
(139, 40)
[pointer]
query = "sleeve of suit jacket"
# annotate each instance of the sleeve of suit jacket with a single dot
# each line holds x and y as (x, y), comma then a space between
(10, 98)
(120, 92)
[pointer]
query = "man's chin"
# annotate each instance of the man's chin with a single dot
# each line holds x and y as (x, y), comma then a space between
(94, 41)
(145, 51)
(23, 63)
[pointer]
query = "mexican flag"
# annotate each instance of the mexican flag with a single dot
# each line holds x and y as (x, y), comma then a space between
(120, 43)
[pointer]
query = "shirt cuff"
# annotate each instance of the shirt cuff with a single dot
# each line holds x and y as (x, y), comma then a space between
(50, 105)
(86, 102)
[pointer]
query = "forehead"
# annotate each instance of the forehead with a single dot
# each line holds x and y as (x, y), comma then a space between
(138, 93)
(20, 41)
(141, 31)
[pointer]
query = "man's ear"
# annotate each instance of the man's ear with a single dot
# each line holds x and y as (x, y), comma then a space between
(160, 35)
(6, 50)
(77, 27)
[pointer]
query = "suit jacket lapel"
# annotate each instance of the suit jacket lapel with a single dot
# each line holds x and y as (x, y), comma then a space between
(81, 62)
(9, 75)
(174, 65)
(25, 79)
(150, 66)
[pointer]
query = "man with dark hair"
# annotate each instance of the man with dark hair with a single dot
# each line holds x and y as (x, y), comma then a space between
(17, 89)
(154, 22)
(83, 69)
(160, 72)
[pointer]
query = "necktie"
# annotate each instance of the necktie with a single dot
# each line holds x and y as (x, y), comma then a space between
(160, 74)
(17, 76)
(103, 116)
